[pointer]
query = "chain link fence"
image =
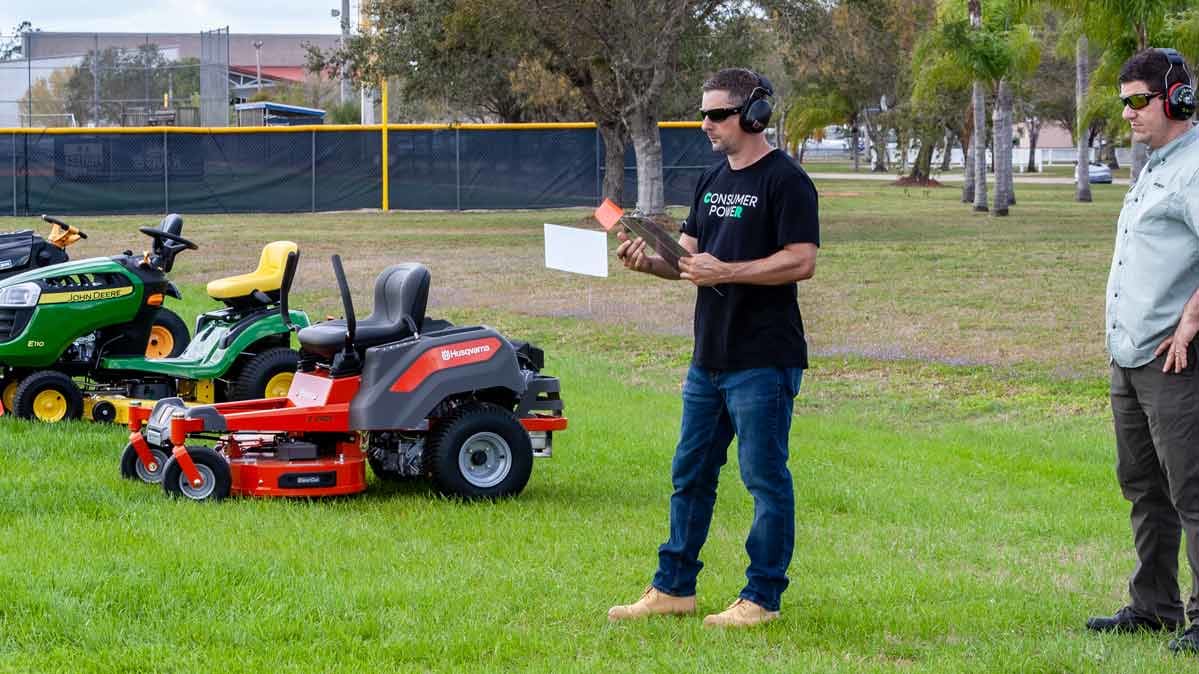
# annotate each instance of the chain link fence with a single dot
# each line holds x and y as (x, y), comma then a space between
(322, 169)
(116, 80)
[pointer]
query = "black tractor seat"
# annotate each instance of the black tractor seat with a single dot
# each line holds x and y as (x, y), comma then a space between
(401, 293)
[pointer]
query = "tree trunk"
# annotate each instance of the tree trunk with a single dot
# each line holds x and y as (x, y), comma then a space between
(1082, 178)
(1140, 156)
(615, 139)
(1002, 145)
(1140, 152)
(1107, 154)
(853, 147)
(1009, 175)
(948, 156)
(878, 144)
(922, 166)
(980, 148)
(968, 156)
(647, 145)
(1034, 132)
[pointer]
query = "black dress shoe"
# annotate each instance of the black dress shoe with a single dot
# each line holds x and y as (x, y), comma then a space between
(1127, 621)
(1187, 642)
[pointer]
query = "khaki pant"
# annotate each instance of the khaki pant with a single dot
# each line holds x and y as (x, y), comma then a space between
(1157, 463)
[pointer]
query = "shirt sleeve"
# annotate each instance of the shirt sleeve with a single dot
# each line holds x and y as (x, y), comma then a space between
(690, 225)
(796, 210)
(1189, 196)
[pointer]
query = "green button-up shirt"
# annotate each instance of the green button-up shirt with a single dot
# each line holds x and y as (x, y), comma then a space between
(1155, 267)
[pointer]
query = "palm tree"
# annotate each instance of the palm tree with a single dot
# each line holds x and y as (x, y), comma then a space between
(1082, 65)
(979, 150)
(1110, 20)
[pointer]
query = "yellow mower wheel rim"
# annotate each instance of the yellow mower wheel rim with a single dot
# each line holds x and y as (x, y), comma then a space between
(279, 385)
(9, 396)
(50, 406)
(161, 342)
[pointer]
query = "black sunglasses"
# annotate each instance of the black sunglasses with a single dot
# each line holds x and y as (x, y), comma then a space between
(1138, 101)
(719, 114)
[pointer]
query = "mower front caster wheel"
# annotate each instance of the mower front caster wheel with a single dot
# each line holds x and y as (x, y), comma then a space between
(133, 468)
(214, 475)
(481, 451)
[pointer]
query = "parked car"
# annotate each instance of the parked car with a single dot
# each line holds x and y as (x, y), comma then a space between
(1098, 172)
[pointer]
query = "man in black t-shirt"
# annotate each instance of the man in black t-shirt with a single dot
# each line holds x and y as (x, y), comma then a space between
(753, 233)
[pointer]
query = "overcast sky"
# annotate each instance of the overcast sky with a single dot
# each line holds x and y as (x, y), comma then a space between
(173, 16)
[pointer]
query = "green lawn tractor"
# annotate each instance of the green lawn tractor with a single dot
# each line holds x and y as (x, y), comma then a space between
(25, 250)
(73, 336)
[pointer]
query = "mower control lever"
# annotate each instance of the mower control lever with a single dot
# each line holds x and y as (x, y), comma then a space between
(346, 302)
(289, 273)
(60, 223)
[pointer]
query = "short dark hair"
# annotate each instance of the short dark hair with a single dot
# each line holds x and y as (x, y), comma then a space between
(1152, 67)
(739, 82)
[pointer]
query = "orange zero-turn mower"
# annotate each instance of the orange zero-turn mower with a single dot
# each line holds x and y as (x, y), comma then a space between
(411, 396)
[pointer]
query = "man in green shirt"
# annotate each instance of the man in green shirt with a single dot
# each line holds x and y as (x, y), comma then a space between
(1151, 321)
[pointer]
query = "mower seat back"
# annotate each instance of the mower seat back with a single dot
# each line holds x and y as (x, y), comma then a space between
(239, 291)
(401, 294)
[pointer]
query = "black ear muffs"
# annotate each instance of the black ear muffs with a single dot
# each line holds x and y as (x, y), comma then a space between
(756, 110)
(1179, 101)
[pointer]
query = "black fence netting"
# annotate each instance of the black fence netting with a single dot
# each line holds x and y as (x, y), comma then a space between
(157, 171)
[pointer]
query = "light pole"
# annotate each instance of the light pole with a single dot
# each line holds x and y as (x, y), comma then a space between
(344, 13)
(258, 63)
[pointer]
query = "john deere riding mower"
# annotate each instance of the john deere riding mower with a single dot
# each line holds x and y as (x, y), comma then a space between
(24, 250)
(73, 336)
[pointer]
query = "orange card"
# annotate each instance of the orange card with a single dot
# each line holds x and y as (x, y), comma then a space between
(608, 214)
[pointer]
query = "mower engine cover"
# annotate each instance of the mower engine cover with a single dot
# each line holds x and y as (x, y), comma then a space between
(404, 381)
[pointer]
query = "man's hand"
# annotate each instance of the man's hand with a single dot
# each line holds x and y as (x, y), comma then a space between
(1175, 346)
(704, 270)
(632, 253)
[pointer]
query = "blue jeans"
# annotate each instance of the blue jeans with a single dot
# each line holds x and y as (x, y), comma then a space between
(754, 405)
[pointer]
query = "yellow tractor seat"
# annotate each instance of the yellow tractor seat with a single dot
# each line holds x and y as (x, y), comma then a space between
(249, 289)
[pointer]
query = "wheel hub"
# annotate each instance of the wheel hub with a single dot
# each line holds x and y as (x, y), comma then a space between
(485, 459)
(50, 406)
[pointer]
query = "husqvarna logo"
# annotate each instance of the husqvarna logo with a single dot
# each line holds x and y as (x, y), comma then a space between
(450, 354)
(445, 357)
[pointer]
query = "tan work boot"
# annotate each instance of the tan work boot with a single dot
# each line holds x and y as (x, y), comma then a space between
(653, 602)
(743, 613)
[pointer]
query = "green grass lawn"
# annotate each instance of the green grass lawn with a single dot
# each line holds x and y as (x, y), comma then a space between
(957, 508)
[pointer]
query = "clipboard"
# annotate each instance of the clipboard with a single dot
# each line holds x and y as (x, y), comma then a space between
(609, 215)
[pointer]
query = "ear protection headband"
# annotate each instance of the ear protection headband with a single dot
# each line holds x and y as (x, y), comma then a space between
(1179, 99)
(756, 110)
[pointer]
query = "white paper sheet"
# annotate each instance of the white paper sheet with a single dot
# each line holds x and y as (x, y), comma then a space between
(581, 251)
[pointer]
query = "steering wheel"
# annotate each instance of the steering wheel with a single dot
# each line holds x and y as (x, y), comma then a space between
(155, 233)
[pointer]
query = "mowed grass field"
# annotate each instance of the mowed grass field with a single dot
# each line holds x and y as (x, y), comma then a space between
(957, 508)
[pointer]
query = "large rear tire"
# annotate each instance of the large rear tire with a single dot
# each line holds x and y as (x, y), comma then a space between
(480, 452)
(49, 396)
(213, 468)
(266, 375)
(169, 336)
